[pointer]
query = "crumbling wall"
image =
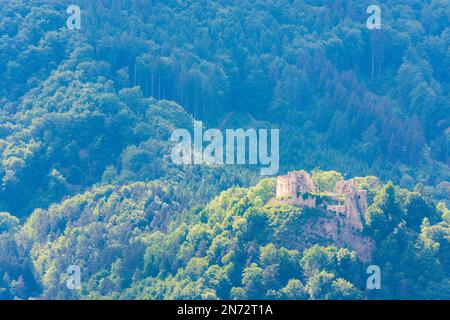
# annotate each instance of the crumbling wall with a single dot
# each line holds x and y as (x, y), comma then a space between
(299, 187)
(283, 189)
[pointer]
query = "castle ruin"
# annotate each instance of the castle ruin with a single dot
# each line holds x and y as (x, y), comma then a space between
(347, 200)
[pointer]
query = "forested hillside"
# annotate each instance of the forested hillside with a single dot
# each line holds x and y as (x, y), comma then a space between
(137, 242)
(86, 118)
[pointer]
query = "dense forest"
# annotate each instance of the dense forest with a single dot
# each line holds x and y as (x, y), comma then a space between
(86, 118)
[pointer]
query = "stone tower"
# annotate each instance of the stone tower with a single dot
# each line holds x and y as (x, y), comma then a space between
(355, 202)
(297, 185)
(349, 189)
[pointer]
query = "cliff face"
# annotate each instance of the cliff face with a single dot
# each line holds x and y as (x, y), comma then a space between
(334, 230)
(320, 226)
(341, 233)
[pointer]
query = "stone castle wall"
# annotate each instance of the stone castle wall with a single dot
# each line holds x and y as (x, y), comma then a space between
(299, 188)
